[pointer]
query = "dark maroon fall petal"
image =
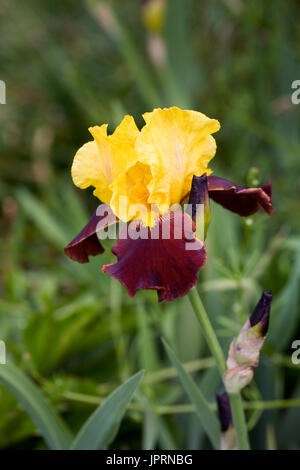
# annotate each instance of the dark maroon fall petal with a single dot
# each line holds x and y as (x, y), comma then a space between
(240, 199)
(86, 243)
(152, 261)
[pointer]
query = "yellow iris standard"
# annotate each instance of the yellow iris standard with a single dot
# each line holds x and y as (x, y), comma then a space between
(134, 171)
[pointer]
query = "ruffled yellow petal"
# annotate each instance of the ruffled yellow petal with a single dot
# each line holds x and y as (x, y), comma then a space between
(126, 131)
(131, 170)
(101, 162)
(176, 144)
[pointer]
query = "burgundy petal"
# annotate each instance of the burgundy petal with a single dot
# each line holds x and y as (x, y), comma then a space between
(152, 261)
(86, 243)
(240, 199)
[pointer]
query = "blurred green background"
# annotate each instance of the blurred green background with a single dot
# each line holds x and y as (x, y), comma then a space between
(68, 65)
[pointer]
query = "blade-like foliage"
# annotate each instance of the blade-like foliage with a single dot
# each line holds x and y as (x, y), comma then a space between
(101, 427)
(206, 415)
(48, 422)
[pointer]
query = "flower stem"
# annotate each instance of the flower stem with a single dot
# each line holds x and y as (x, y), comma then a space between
(239, 421)
(208, 330)
(215, 348)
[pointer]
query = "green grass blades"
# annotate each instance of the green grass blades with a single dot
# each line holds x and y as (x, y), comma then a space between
(206, 415)
(101, 427)
(48, 422)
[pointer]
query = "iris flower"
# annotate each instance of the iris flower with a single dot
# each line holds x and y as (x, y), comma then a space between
(139, 175)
